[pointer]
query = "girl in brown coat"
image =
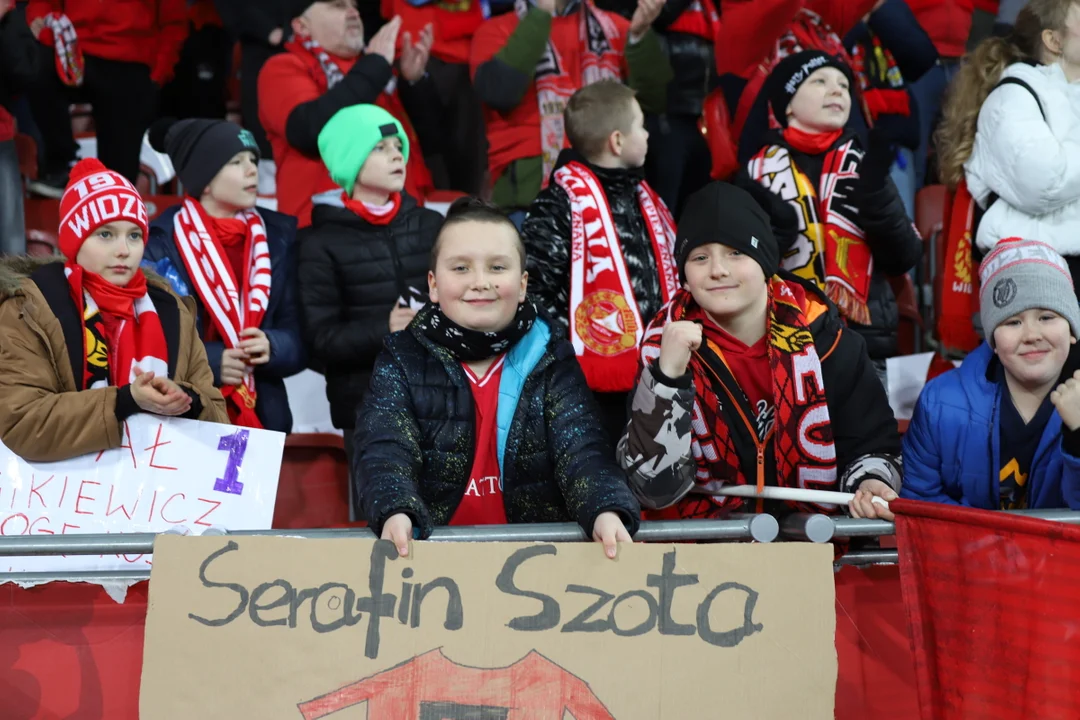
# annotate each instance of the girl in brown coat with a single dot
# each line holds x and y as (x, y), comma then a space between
(84, 344)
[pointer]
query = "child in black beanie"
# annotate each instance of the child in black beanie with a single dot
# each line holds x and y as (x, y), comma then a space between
(238, 264)
(854, 231)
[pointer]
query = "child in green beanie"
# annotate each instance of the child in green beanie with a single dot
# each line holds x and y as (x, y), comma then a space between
(364, 259)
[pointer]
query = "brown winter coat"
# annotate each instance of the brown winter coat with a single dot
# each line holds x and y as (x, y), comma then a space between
(44, 415)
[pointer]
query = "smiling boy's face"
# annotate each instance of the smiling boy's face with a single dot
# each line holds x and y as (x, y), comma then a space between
(822, 103)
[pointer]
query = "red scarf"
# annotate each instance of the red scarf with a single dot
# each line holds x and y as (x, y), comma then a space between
(230, 308)
(138, 341)
(811, 143)
(880, 81)
(959, 290)
(557, 80)
(328, 70)
(605, 323)
(374, 215)
(801, 437)
(60, 33)
(700, 19)
(831, 250)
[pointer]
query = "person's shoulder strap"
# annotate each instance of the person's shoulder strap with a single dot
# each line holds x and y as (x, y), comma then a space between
(1024, 84)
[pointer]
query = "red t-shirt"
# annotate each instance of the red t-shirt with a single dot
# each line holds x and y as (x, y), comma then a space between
(750, 366)
(482, 503)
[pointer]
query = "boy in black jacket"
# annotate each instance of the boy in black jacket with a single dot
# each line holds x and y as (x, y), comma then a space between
(601, 242)
(478, 413)
(364, 260)
(855, 233)
(749, 377)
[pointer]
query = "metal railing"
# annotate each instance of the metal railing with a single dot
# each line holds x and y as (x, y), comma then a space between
(758, 528)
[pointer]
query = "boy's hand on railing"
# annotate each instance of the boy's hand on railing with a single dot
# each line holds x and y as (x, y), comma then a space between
(863, 506)
(608, 529)
(398, 530)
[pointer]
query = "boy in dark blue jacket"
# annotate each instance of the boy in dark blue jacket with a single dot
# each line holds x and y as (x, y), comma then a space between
(237, 262)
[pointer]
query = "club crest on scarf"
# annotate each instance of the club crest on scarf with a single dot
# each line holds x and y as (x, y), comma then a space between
(731, 439)
(831, 248)
(230, 308)
(605, 322)
(556, 81)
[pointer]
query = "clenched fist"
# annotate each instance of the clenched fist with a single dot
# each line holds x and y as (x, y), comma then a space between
(679, 341)
(1066, 398)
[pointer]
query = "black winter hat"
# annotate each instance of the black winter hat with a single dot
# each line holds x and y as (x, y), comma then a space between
(722, 213)
(296, 8)
(791, 72)
(199, 148)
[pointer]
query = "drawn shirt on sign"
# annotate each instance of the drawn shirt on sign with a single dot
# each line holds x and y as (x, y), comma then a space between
(433, 687)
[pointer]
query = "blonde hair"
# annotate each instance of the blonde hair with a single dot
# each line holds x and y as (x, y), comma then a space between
(980, 73)
(594, 112)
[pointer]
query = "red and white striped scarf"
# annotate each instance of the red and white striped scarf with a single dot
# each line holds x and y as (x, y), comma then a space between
(231, 309)
(605, 322)
(60, 33)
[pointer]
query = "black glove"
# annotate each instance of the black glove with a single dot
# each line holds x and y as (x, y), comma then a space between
(879, 157)
(782, 217)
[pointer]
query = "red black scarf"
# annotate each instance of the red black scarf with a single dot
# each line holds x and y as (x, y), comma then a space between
(879, 80)
(726, 446)
(831, 250)
(959, 290)
(232, 304)
(700, 19)
(133, 338)
(60, 33)
(328, 70)
(557, 79)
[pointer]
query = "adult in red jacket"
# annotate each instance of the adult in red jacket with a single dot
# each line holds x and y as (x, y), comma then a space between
(326, 67)
(115, 55)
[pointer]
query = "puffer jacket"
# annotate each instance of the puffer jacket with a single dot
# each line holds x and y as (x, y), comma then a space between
(693, 64)
(352, 274)
(657, 447)
(281, 323)
(415, 436)
(47, 415)
(894, 243)
(547, 235)
(1032, 164)
(952, 445)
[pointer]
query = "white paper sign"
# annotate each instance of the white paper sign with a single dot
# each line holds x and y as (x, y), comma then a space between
(169, 474)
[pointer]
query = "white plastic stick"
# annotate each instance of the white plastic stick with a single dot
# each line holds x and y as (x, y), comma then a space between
(821, 497)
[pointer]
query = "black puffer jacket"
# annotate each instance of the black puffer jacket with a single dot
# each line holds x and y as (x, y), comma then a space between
(547, 240)
(692, 62)
(415, 434)
(351, 276)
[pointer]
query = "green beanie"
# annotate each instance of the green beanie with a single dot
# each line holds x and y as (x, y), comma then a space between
(346, 141)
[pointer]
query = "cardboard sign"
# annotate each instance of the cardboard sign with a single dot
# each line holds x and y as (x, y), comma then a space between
(169, 474)
(267, 627)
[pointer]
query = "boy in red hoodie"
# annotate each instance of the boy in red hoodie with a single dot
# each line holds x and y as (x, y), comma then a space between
(105, 54)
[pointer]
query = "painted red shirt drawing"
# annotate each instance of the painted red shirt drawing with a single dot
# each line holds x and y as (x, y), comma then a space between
(432, 687)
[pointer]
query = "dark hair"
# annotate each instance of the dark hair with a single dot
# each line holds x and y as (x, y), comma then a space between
(473, 209)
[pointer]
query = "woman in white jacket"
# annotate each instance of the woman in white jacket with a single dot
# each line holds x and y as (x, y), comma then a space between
(1012, 130)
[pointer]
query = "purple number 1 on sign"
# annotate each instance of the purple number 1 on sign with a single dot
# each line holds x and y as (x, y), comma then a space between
(236, 444)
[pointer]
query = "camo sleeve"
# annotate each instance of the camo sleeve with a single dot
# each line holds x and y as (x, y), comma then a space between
(655, 448)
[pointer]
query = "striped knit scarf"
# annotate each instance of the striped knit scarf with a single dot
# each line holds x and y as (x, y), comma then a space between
(232, 309)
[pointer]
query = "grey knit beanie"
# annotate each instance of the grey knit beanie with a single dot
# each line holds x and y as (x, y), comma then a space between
(1021, 275)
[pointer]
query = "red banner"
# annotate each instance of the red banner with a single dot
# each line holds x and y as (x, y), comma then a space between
(993, 603)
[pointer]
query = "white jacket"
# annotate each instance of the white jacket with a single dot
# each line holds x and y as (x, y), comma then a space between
(1032, 164)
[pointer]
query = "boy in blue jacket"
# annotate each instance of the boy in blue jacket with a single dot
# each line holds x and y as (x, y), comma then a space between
(1001, 431)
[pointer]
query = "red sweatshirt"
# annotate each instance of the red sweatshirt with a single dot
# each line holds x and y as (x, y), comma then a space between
(454, 29)
(947, 22)
(151, 33)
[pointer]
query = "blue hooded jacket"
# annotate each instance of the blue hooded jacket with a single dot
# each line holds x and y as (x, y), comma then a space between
(951, 448)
